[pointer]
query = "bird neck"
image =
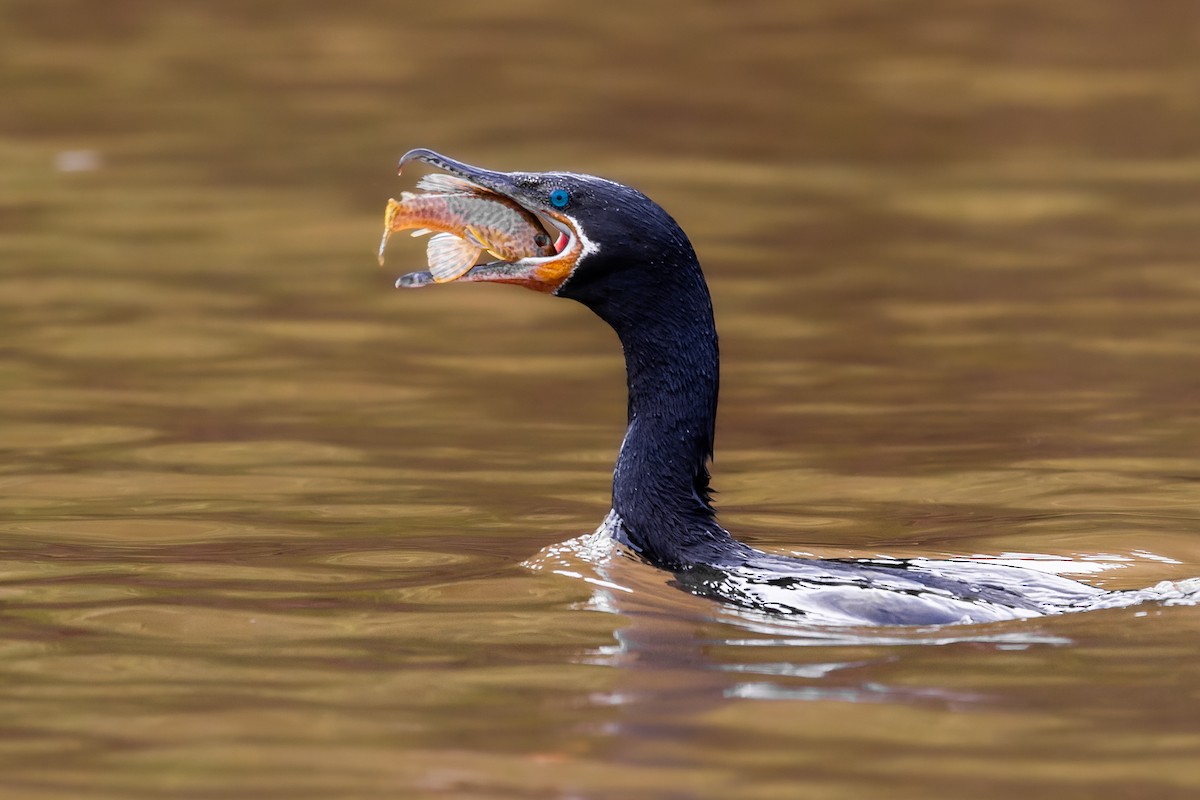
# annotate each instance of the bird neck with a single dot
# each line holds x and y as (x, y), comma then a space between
(661, 480)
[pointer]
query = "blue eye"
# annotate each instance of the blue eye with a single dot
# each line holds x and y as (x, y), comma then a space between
(559, 198)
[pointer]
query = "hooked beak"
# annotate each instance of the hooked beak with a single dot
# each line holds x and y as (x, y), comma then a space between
(544, 274)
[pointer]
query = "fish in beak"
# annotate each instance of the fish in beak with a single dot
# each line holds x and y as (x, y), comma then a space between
(469, 220)
(502, 213)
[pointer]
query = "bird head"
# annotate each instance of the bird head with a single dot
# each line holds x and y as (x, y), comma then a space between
(611, 237)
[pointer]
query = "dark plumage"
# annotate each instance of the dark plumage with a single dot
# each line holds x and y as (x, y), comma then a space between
(628, 261)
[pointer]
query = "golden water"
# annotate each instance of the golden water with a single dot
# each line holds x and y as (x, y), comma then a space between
(262, 518)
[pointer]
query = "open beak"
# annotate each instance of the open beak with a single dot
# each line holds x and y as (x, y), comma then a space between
(543, 273)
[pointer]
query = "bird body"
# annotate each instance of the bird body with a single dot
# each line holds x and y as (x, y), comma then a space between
(621, 255)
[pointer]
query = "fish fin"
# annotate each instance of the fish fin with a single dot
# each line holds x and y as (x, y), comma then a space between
(387, 233)
(420, 232)
(383, 244)
(450, 257)
(447, 184)
(472, 235)
(389, 217)
(389, 213)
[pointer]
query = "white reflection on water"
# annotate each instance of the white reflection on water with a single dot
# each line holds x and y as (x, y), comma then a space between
(600, 561)
(867, 693)
(666, 629)
(789, 633)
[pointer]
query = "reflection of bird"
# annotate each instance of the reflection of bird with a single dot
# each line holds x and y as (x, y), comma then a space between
(629, 262)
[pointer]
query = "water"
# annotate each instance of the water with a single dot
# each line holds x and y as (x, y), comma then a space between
(263, 518)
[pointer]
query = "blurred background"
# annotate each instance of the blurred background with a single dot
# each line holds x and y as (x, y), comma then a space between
(261, 515)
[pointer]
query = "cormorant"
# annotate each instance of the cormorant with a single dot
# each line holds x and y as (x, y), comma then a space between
(621, 255)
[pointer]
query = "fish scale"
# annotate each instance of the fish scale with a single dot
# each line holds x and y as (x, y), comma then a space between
(468, 220)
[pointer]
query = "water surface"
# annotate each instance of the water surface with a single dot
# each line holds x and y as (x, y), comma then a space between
(263, 519)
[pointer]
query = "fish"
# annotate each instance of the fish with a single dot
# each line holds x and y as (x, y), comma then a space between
(465, 220)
